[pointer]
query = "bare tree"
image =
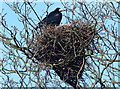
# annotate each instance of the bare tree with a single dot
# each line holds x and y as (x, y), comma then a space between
(83, 52)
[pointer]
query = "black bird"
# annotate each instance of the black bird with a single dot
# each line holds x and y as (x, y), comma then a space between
(54, 18)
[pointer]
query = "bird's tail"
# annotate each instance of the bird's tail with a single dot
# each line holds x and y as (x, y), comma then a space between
(39, 25)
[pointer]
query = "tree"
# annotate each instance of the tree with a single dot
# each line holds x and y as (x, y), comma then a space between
(83, 52)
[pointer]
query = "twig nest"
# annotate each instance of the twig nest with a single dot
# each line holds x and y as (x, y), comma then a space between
(64, 48)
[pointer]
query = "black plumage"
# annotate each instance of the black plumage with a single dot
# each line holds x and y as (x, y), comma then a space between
(54, 18)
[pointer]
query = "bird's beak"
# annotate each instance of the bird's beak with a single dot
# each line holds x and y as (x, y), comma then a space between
(61, 10)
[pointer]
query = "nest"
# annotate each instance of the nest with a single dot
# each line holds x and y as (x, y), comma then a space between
(64, 47)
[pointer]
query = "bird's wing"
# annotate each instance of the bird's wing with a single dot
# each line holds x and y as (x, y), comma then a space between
(53, 18)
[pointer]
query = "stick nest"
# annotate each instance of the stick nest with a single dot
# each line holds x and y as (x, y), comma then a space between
(64, 47)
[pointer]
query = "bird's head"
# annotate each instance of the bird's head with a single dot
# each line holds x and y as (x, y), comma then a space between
(59, 9)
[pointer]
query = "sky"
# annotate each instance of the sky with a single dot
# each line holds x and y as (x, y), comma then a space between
(12, 18)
